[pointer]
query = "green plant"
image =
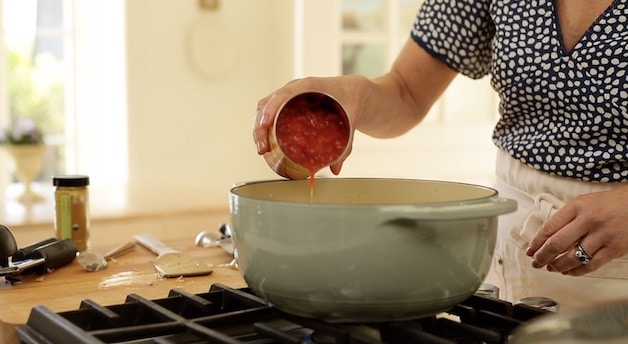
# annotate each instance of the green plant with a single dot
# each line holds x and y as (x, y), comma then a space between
(36, 90)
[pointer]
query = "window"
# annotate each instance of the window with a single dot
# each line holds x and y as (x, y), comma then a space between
(453, 143)
(36, 48)
(373, 31)
(62, 63)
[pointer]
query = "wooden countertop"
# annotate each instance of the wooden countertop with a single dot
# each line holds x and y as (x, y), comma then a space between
(64, 289)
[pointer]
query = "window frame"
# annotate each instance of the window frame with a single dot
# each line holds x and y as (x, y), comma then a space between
(95, 136)
(450, 132)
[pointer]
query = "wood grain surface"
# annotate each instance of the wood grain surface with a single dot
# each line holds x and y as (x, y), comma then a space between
(64, 288)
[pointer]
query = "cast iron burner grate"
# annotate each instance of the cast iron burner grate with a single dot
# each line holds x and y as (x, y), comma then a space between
(228, 315)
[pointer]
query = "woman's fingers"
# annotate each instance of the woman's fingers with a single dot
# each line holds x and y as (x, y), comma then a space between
(261, 126)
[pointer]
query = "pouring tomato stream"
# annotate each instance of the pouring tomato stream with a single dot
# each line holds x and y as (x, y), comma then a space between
(313, 132)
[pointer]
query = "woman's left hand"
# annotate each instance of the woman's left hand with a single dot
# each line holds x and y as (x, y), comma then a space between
(596, 223)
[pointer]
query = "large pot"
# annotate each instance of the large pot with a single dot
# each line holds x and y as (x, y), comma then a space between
(364, 250)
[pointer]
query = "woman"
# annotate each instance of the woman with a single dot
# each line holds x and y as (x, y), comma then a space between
(560, 69)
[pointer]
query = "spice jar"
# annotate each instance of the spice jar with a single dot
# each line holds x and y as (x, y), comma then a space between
(72, 209)
(311, 131)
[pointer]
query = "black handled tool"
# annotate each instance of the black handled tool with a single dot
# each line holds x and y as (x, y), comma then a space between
(39, 257)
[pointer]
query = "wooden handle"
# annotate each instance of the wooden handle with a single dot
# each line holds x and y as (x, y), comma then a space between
(120, 250)
(153, 244)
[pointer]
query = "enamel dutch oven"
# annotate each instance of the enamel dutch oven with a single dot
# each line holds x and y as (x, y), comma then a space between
(365, 250)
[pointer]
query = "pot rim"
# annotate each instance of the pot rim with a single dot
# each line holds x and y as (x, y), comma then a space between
(490, 200)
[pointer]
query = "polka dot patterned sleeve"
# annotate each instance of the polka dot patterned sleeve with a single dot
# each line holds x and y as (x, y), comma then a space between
(561, 112)
(458, 33)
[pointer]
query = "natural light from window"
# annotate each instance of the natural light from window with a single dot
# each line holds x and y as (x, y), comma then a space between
(62, 64)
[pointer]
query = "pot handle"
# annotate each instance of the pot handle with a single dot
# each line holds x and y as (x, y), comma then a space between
(459, 211)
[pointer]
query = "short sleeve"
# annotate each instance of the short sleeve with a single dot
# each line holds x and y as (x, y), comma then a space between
(459, 33)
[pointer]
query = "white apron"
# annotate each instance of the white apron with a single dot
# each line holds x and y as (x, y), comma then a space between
(538, 196)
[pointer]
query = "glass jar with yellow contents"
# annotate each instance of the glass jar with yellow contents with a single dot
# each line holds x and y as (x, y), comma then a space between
(72, 209)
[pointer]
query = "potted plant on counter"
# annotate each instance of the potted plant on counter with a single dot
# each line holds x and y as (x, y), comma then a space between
(24, 144)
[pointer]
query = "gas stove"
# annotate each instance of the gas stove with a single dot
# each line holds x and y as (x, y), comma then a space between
(229, 315)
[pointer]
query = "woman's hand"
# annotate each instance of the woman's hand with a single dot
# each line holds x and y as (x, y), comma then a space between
(386, 106)
(598, 222)
(349, 90)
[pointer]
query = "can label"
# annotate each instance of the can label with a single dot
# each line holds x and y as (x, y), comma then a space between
(72, 219)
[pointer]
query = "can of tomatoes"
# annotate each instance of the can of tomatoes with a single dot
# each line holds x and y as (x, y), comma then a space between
(311, 131)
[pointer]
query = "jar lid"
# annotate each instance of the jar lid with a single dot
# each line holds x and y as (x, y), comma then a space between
(70, 180)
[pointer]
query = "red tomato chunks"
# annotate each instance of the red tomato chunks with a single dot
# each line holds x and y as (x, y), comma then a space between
(312, 130)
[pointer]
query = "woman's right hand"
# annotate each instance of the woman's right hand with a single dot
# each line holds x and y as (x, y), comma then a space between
(349, 90)
(387, 106)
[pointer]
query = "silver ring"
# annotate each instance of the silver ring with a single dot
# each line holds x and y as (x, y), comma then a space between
(582, 254)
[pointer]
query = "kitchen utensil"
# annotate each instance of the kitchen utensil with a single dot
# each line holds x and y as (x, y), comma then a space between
(92, 260)
(26, 252)
(42, 257)
(364, 250)
(120, 250)
(213, 239)
(8, 245)
(170, 262)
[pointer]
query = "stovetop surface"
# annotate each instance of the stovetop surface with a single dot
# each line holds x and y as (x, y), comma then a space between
(228, 315)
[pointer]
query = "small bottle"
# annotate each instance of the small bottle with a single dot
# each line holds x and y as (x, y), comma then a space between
(72, 209)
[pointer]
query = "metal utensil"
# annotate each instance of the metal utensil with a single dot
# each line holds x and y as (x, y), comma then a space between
(39, 259)
(170, 262)
(213, 239)
(92, 260)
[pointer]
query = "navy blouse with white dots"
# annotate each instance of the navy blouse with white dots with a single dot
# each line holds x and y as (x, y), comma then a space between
(562, 112)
